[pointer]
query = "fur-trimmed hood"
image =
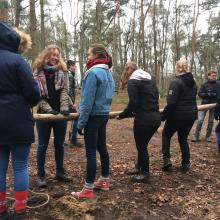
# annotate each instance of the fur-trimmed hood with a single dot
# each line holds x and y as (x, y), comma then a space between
(13, 40)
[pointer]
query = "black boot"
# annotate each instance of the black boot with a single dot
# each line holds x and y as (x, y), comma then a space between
(142, 177)
(62, 176)
(185, 167)
(19, 215)
(166, 164)
(134, 171)
(4, 215)
(75, 143)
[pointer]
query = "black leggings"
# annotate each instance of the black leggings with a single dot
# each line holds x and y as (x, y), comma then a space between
(142, 136)
(183, 128)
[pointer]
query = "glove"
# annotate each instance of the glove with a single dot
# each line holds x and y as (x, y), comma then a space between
(80, 132)
(65, 112)
(54, 112)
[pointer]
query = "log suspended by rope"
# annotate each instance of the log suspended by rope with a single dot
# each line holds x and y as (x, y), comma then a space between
(112, 115)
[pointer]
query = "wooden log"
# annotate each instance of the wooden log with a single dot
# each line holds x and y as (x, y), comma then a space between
(112, 115)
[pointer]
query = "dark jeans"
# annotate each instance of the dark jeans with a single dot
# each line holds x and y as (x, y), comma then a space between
(142, 136)
(95, 139)
(182, 128)
(74, 130)
(44, 130)
(19, 157)
(217, 131)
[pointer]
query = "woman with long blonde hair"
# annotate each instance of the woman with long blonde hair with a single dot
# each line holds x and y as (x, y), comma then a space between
(180, 114)
(143, 105)
(51, 74)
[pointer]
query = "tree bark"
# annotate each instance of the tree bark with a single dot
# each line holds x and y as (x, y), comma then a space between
(33, 29)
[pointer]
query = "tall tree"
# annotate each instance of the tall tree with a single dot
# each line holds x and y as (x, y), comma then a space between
(42, 24)
(4, 6)
(33, 29)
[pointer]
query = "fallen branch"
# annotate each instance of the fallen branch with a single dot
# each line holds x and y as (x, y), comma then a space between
(112, 115)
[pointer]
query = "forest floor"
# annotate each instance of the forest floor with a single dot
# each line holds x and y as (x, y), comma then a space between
(195, 195)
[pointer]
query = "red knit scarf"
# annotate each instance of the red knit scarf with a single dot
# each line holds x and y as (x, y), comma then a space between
(95, 61)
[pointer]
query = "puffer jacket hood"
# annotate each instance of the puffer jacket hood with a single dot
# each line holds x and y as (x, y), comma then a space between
(140, 74)
(188, 79)
(9, 39)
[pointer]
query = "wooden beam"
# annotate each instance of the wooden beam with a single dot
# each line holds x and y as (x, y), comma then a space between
(112, 115)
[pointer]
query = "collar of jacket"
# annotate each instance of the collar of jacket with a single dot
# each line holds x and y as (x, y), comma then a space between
(103, 66)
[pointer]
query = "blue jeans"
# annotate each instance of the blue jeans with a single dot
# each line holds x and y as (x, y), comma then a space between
(201, 117)
(74, 130)
(217, 131)
(95, 139)
(19, 157)
(44, 130)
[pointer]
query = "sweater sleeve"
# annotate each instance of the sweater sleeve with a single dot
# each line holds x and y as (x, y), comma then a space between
(130, 110)
(64, 96)
(29, 86)
(87, 99)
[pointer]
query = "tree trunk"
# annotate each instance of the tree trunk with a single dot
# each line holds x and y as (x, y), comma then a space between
(33, 30)
(4, 6)
(17, 12)
(42, 25)
(142, 35)
(98, 20)
(195, 19)
(155, 45)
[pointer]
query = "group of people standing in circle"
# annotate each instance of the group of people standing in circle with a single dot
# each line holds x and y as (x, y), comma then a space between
(50, 88)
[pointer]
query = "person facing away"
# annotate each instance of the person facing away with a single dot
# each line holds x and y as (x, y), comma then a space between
(18, 93)
(143, 105)
(71, 66)
(180, 114)
(51, 74)
(208, 94)
(96, 98)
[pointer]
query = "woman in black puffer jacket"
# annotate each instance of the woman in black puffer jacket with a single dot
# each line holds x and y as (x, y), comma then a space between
(180, 114)
(143, 105)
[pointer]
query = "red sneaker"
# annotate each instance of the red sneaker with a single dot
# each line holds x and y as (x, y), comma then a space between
(86, 193)
(102, 185)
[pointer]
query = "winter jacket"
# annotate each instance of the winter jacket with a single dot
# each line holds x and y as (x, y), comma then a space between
(217, 107)
(18, 91)
(57, 100)
(143, 99)
(181, 99)
(208, 92)
(97, 92)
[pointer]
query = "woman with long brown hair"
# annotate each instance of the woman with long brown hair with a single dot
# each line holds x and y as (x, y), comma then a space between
(96, 98)
(143, 105)
(51, 74)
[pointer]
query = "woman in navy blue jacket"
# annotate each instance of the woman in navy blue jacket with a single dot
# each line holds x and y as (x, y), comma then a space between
(18, 93)
(96, 98)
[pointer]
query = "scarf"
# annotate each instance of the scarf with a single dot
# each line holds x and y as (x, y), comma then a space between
(95, 61)
(47, 70)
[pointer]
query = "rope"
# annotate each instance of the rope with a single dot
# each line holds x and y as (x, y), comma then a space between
(35, 193)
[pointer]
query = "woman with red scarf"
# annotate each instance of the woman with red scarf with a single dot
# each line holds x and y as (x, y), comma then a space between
(97, 92)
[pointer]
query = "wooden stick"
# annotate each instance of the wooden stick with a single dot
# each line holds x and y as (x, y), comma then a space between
(112, 115)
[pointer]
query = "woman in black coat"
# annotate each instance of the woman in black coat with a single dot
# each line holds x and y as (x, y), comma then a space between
(180, 114)
(18, 93)
(143, 105)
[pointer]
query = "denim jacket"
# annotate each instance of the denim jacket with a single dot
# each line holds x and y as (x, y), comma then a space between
(97, 92)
